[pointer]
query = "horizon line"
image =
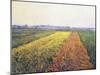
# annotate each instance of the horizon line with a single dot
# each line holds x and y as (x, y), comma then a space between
(51, 25)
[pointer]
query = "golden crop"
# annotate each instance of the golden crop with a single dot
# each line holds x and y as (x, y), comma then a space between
(35, 56)
(71, 56)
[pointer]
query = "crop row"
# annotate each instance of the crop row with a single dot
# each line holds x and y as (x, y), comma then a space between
(23, 36)
(37, 55)
(89, 41)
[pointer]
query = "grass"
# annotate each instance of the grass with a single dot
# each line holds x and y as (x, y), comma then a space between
(23, 36)
(32, 50)
(88, 39)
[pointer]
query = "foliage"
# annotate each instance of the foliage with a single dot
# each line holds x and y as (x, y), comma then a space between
(88, 39)
(37, 55)
(23, 36)
(71, 56)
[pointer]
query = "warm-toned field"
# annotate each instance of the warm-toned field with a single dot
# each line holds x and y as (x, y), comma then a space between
(48, 52)
(71, 56)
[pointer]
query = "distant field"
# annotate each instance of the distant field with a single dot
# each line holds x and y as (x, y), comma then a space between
(52, 50)
(23, 36)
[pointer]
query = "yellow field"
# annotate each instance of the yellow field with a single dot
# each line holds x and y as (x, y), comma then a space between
(38, 53)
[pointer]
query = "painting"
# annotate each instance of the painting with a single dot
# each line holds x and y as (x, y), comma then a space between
(52, 37)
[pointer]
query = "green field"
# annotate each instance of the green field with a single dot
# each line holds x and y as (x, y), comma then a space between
(23, 36)
(33, 50)
(89, 40)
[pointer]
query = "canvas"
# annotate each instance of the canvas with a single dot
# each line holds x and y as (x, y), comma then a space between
(52, 37)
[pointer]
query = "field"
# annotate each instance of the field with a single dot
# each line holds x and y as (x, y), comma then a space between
(88, 39)
(27, 35)
(36, 50)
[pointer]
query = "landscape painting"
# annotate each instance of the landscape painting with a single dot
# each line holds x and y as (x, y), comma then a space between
(52, 37)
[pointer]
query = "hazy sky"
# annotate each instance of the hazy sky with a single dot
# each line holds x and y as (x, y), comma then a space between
(52, 14)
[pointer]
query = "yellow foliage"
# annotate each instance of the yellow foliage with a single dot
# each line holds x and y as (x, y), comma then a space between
(40, 51)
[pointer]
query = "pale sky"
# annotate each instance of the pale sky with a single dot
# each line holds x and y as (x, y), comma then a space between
(52, 14)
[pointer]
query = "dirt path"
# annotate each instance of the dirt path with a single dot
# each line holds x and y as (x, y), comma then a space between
(71, 56)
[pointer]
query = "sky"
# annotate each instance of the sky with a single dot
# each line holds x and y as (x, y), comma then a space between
(31, 13)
